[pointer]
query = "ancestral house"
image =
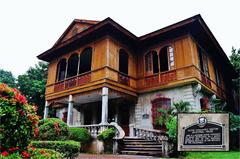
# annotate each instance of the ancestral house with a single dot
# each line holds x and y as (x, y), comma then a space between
(99, 72)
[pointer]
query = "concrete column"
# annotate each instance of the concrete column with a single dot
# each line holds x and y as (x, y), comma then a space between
(104, 105)
(45, 110)
(70, 111)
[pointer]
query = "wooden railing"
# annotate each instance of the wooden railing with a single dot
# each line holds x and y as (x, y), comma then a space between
(123, 79)
(72, 82)
(180, 74)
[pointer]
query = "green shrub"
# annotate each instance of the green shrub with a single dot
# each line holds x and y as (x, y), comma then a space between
(34, 153)
(79, 134)
(107, 135)
(69, 148)
(53, 129)
(172, 128)
(18, 119)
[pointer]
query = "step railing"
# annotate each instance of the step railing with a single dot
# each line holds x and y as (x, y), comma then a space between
(96, 129)
(154, 135)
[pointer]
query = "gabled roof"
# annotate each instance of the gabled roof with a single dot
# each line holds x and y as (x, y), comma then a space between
(194, 25)
(75, 22)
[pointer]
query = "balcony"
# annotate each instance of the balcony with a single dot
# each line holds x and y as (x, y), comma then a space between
(123, 79)
(177, 76)
(72, 82)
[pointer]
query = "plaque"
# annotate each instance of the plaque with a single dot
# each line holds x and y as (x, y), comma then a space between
(203, 132)
(145, 116)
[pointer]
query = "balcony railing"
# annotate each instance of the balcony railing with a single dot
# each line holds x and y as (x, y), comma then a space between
(181, 74)
(164, 78)
(123, 79)
(72, 82)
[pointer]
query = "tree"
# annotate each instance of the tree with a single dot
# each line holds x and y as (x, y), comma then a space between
(32, 85)
(7, 78)
(235, 60)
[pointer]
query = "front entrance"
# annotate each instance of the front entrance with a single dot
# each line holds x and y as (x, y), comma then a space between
(124, 119)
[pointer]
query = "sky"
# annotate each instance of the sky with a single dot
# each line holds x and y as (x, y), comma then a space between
(30, 27)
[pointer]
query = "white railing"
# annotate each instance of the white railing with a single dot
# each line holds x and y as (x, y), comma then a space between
(154, 135)
(96, 129)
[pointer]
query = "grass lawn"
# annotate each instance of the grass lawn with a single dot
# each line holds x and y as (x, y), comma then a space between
(213, 155)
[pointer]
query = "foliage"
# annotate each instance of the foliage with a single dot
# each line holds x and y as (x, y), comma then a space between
(213, 155)
(235, 60)
(33, 153)
(178, 107)
(234, 122)
(18, 119)
(218, 104)
(79, 134)
(52, 129)
(69, 148)
(32, 85)
(163, 118)
(172, 128)
(7, 78)
(107, 135)
(181, 107)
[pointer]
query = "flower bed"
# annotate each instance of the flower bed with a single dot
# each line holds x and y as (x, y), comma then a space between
(32, 153)
(69, 148)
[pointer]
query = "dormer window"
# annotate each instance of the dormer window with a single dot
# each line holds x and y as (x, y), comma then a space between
(123, 61)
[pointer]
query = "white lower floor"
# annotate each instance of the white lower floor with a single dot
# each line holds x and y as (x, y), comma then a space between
(138, 113)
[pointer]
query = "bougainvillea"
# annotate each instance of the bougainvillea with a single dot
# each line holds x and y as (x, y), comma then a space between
(18, 120)
(52, 129)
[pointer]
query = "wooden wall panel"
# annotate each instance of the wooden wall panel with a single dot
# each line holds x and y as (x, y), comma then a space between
(99, 54)
(52, 72)
(114, 48)
(211, 69)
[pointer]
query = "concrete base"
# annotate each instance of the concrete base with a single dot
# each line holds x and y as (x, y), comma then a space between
(95, 146)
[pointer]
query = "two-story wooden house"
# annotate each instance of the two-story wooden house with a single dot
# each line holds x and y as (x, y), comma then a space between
(99, 72)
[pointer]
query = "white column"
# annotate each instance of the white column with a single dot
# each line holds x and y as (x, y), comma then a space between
(104, 105)
(45, 115)
(70, 111)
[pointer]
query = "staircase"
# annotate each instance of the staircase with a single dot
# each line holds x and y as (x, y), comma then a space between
(140, 146)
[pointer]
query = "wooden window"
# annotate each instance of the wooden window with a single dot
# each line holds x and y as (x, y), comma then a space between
(164, 103)
(151, 62)
(148, 62)
(163, 58)
(203, 61)
(123, 61)
(85, 60)
(171, 57)
(218, 80)
(204, 102)
(61, 69)
(72, 65)
(74, 31)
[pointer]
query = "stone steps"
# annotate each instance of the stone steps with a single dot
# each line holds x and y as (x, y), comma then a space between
(139, 146)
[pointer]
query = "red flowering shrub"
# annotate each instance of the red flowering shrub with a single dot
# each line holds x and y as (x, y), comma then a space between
(18, 120)
(52, 129)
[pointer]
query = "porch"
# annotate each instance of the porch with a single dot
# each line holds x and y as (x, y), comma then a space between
(102, 106)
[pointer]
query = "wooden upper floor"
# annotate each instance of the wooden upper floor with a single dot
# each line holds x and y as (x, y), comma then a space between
(114, 57)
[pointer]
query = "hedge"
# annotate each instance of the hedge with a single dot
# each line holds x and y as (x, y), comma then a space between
(80, 134)
(69, 148)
